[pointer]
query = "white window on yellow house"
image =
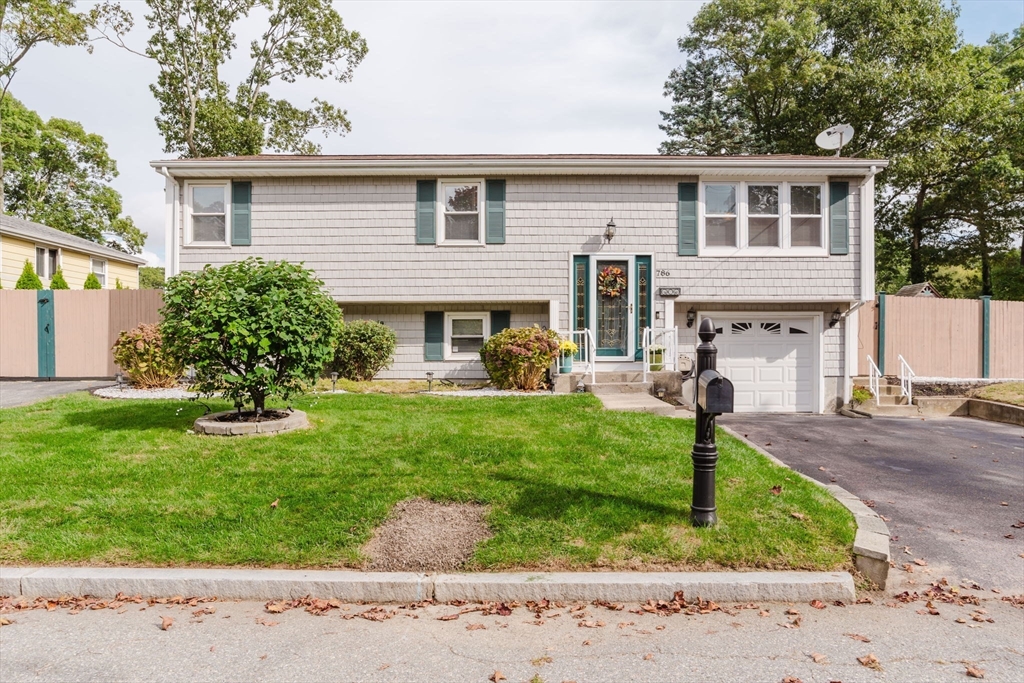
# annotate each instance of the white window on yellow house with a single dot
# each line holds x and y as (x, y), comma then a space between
(99, 269)
(47, 262)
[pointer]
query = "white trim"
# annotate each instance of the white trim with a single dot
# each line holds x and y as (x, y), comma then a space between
(866, 230)
(226, 185)
(92, 269)
(170, 227)
(449, 316)
(442, 240)
(818, 401)
(785, 248)
(851, 354)
(631, 281)
(46, 260)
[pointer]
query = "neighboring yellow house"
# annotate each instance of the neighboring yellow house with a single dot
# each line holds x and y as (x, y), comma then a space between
(48, 249)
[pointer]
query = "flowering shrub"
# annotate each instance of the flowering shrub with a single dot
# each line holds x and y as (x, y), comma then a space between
(517, 358)
(141, 354)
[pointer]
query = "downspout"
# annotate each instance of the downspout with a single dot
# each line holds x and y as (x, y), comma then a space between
(849, 343)
(170, 223)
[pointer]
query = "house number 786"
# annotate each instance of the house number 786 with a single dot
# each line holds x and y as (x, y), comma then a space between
(664, 273)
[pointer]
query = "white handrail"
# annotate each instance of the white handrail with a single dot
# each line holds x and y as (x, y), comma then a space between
(584, 340)
(668, 339)
(874, 375)
(907, 376)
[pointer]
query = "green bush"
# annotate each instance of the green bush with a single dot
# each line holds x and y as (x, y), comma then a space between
(92, 282)
(58, 281)
(365, 347)
(517, 358)
(117, 283)
(143, 356)
(251, 329)
(861, 395)
(28, 279)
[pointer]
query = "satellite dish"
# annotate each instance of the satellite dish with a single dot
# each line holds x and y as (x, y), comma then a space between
(835, 137)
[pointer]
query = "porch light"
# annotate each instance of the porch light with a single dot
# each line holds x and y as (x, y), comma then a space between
(691, 317)
(430, 381)
(334, 382)
(836, 317)
(609, 231)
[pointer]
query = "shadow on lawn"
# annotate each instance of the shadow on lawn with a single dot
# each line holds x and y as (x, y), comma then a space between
(550, 501)
(116, 415)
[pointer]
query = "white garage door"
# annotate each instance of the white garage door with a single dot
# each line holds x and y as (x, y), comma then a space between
(770, 362)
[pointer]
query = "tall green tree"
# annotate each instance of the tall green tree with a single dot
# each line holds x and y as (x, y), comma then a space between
(59, 175)
(201, 115)
(783, 70)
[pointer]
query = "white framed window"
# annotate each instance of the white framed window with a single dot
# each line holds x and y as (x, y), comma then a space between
(47, 262)
(460, 214)
(99, 269)
(762, 218)
(465, 334)
(207, 213)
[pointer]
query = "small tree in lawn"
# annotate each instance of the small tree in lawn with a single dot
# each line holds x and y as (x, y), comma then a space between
(28, 279)
(251, 329)
(92, 282)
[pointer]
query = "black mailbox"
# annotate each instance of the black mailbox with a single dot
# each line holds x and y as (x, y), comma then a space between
(714, 393)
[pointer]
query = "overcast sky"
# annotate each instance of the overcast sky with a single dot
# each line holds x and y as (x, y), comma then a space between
(440, 77)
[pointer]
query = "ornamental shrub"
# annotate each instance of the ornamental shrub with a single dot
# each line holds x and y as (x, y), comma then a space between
(58, 281)
(145, 359)
(517, 358)
(92, 282)
(365, 347)
(28, 279)
(251, 329)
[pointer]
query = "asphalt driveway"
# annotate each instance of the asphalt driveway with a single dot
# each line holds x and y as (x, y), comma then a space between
(950, 488)
(23, 393)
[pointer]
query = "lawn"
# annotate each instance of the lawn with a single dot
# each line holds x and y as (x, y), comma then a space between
(569, 485)
(1005, 392)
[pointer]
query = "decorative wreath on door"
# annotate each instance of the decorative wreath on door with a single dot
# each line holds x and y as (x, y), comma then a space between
(611, 282)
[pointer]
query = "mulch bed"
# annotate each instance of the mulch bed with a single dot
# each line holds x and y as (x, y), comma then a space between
(251, 416)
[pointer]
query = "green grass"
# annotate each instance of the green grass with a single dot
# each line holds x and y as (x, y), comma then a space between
(569, 485)
(1005, 392)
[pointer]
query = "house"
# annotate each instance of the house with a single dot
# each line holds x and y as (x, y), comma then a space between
(446, 249)
(919, 289)
(48, 249)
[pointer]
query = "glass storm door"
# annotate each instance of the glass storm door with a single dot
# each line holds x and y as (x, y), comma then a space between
(613, 307)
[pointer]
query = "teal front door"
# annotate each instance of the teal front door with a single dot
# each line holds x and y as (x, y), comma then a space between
(613, 307)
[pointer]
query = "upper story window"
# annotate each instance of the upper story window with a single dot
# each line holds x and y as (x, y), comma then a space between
(207, 207)
(99, 269)
(461, 211)
(762, 218)
(47, 262)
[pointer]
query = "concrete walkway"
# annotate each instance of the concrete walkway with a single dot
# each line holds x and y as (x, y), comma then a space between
(636, 403)
(25, 393)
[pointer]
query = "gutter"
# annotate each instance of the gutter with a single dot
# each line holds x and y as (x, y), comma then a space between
(170, 222)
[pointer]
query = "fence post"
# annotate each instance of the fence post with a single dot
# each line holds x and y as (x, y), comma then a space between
(986, 334)
(881, 332)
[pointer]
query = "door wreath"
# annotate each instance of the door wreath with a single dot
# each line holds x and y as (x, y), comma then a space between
(611, 282)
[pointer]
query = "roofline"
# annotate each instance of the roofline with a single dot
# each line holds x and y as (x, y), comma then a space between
(440, 165)
(97, 250)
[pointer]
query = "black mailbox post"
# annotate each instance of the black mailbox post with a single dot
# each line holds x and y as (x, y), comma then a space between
(714, 397)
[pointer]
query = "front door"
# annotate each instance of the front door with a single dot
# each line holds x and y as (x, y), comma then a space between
(613, 307)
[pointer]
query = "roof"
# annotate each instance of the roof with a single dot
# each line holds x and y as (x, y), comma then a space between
(517, 164)
(11, 225)
(918, 289)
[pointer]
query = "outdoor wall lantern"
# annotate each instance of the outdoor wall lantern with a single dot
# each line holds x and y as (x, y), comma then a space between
(430, 381)
(334, 382)
(609, 230)
(691, 317)
(836, 317)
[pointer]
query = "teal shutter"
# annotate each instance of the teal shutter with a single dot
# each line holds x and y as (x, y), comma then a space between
(839, 218)
(433, 335)
(45, 347)
(241, 213)
(500, 320)
(426, 198)
(687, 217)
(495, 233)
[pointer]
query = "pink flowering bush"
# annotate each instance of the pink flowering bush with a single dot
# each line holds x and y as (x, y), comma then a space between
(144, 358)
(517, 358)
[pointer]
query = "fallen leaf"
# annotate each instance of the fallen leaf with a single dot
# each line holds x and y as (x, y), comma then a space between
(1003, 503)
(817, 604)
(857, 636)
(776, 490)
(1009, 536)
(383, 666)
(449, 617)
(475, 627)
(277, 607)
(274, 504)
(590, 624)
(791, 679)
(648, 657)
(541, 661)
(870, 661)
(819, 658)
(586, 642)
(497, 676)
(908, 568)
(764, 613)
(798, 515)
(165, 623)
(624, 624)
(265, 622)
(4, 621)
(263, 657)
(975, 672)
(792, 612)
(960, 620)
(1019, 524)
(793, 624)
(662, 627)
(822, 469)
(869, 503)
(907, 551)
(920, 563)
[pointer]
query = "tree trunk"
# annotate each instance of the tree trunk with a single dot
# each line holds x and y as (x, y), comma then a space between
(986, 263)
(259, 400)
(917, 273)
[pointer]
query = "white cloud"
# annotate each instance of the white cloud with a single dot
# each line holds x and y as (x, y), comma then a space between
(153, 259)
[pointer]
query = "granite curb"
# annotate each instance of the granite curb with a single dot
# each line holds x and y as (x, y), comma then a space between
(398, 587)
(871, 543)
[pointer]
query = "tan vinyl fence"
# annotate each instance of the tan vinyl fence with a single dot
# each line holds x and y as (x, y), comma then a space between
(85, 324)
(943, 337)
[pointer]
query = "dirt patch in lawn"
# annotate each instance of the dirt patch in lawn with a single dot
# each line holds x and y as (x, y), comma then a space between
(421, 535)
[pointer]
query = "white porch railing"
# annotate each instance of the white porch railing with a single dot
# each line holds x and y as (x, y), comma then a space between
(668, 341)
(874, 379)
(584, 340)
(907, 376)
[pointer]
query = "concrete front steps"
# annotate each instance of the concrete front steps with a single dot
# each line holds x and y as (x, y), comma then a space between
(626, 391)
(891, 400)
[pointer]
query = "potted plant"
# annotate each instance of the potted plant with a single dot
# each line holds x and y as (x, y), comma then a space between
(656, 357)
(568, 349)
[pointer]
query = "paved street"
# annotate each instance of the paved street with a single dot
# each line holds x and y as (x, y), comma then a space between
(950, 488)
(24, 393)
(232, 645)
